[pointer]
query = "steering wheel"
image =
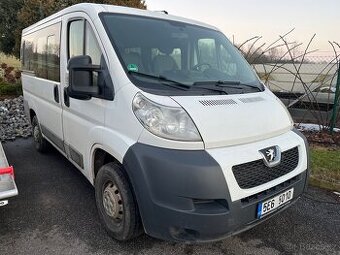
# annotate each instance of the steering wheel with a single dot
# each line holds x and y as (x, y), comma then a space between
(199, 66)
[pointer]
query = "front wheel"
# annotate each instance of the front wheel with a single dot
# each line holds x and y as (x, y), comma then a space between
(116, 204)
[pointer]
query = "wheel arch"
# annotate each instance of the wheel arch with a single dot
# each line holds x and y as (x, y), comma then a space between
(32, 113)
(101, 155)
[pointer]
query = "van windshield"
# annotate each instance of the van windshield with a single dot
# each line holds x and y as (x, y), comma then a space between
(155, 52)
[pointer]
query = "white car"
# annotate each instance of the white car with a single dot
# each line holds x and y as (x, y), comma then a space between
(165, 118)
(326, 89)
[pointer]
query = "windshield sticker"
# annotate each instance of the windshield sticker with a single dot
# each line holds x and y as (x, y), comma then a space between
(132, 67)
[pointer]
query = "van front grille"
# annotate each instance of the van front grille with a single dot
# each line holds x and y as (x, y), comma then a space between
(270, 192)
(255, 173)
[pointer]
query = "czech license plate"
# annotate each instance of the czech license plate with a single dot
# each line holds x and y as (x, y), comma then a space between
(273, 203)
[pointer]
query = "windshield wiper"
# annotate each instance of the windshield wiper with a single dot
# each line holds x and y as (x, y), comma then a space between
(229, 84)
(163, 80)
(235, 84)
(202, 86)
(175, 84)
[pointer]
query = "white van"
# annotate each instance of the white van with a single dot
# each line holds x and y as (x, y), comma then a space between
(165, 118)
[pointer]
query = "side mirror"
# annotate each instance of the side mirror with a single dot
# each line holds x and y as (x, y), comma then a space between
(81, 73)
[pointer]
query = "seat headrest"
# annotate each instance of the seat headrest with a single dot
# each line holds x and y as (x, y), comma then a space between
(165, 49)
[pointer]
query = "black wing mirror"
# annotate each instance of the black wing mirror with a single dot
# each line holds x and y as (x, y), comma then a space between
(81, 73)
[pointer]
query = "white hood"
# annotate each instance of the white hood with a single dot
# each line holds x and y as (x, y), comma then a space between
(226, 120)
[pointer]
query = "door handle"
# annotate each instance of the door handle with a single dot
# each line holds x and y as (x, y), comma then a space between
(56, 93)
(66, 98)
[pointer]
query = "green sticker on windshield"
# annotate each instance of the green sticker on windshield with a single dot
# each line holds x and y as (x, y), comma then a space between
(132, 67)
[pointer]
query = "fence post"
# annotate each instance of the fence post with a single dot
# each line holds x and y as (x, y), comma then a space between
(336, 102)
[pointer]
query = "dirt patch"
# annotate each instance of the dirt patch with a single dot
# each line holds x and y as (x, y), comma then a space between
(323, 138)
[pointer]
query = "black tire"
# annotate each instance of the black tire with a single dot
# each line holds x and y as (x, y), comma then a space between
(40, 142)
(120, 217)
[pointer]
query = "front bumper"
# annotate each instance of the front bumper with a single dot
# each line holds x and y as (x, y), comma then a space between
(184, 196)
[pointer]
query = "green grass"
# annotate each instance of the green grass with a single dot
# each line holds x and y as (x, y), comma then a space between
(10, 60)
(325, 168)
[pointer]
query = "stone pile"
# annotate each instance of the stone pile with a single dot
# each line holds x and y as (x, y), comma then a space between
(13, 122)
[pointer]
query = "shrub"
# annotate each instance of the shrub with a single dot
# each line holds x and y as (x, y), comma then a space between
(10, 83)
(8, 74)
(7, 89)
(17, 74)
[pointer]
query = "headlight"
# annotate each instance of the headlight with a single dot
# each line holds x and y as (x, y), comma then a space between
(165, 121)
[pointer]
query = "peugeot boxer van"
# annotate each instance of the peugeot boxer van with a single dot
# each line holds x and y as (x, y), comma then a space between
(165, 118)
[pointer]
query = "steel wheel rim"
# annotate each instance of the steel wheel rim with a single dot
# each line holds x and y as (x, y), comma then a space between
(112, 202)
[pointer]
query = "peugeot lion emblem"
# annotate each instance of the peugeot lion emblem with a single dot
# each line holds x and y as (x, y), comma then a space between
(271, 156)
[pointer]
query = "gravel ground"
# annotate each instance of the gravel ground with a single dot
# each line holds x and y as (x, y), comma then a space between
(55, 213)
(13, 122)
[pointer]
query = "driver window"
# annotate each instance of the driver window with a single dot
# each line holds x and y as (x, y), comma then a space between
(82, 41)
(92, 48)
(76, 38)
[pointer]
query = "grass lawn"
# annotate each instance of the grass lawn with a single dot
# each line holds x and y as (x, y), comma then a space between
(9, 60)
(325, 164)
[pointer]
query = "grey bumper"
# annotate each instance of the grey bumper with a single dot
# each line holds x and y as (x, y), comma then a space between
(182, 195)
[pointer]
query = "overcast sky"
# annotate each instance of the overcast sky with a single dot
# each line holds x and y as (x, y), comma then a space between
(268, 18)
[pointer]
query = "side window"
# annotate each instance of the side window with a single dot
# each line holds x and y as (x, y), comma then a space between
(53, 72)
(76, 38)
(40, 58)
(82, 41)
(92, 48)
(27, 53)
(40, 53)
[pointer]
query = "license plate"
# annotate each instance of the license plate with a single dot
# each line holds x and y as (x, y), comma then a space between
(273, 203)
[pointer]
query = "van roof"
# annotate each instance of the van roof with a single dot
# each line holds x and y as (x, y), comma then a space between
(94, 9)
